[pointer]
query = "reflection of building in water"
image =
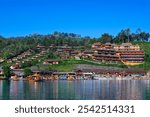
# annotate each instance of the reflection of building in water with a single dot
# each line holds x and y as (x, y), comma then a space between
(146, 89)
(129, 89)
(16, 90)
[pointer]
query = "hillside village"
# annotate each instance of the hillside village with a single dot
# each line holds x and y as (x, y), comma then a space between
(103, 53)
(125, 54)
(63, 52)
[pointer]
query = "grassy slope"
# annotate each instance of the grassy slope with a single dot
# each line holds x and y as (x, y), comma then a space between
(146, 47)
(67, 66)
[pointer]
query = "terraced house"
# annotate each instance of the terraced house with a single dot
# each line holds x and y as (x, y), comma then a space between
(111, 53)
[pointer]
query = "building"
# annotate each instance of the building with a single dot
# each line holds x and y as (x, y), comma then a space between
(1, 60)
(105, 53)
(109, 71)
(40, 47)
(130, 54)
(16, 66)
(96, 45)
(64, 52)
(87, 53)
(65, 49)
(51, 62)
(126, 53)
(75, 53)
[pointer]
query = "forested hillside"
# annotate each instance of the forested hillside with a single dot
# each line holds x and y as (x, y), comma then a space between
(12, 46)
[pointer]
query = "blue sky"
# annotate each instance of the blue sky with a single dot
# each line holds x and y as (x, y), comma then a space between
(85, 17)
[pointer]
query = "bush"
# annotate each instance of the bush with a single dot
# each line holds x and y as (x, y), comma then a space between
(27, 72)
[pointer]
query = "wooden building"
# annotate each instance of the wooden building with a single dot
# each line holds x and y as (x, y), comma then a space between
(51, 62)
(126, 53)
(130, 54)
(105, 53)
(15, 66)
(87, 53)
(96, 45)
(40, 47)
(75, 53)
(108, 71)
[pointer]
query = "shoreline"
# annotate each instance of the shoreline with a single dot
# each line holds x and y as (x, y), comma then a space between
(78, 79)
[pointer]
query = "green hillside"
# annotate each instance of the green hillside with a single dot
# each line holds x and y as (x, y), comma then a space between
(146, 47)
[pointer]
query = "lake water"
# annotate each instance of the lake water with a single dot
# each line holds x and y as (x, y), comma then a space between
(75, 90)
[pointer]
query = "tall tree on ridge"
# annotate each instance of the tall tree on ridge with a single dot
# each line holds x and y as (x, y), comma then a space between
(127, 33)
(106, 38)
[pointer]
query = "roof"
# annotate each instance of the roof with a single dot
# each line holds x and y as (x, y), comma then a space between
(51, 60)
(36, 75)
(88, 51)
(89, 68)
(126, 44)
(114, 70)
(98, 43)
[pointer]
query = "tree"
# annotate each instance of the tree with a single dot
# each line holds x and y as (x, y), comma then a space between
(6, 55)
(138, 32)
(122, 36)
(27, 72)
(50, 55)
(127, 33)
(6, 70)
(144, 36)
(106, 38)
(141, 35)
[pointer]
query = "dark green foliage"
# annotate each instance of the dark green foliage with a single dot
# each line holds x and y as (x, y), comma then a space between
(106, 38)
(27, 72)
(7, 71)
(51, 55)
(29, 63)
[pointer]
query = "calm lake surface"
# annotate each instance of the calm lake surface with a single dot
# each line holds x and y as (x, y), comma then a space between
(75, 90)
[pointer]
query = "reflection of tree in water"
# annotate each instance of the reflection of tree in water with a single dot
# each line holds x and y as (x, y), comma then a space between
(66, 90)
(147, 92)
(5, 89)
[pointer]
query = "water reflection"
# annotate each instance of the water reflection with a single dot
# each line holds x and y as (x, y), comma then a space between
(4, 90)
(79, 89)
